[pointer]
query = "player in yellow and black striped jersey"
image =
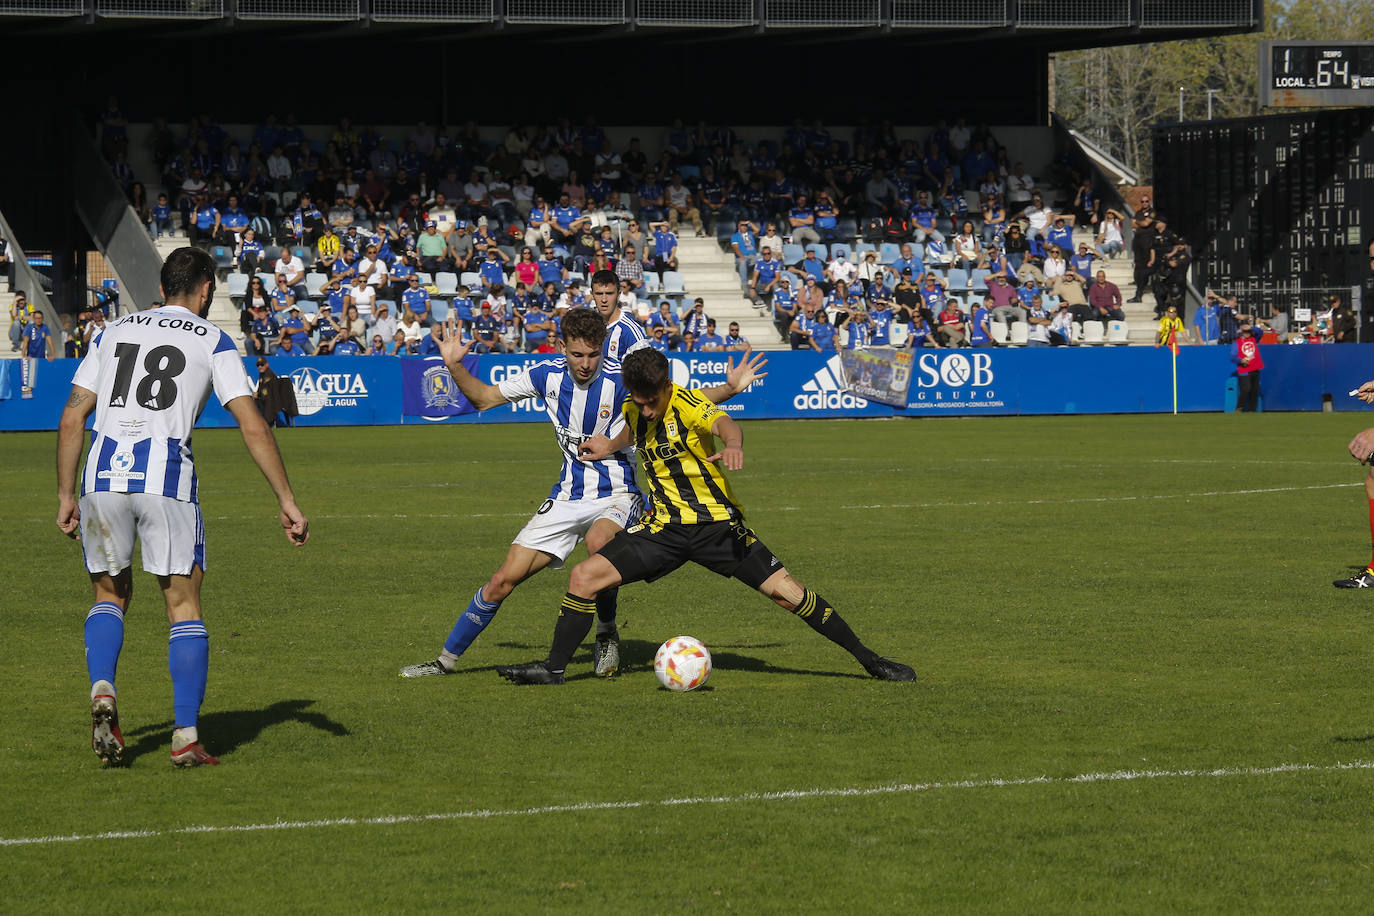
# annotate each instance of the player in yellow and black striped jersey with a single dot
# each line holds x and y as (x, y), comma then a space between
(677, 450)
(693, 515)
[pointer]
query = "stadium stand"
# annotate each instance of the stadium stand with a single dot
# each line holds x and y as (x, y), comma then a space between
(375, 187)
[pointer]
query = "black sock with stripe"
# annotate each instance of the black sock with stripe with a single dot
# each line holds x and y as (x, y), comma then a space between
(574, 622)
(605, 612)
(825, 620)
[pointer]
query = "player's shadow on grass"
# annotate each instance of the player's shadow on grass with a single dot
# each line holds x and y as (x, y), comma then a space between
(637, 655)
(227, 731)
(1343, 739)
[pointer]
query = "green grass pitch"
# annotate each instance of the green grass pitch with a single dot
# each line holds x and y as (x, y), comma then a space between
(1142, 599)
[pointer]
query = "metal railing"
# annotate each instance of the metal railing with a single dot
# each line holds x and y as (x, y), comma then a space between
(28, 279)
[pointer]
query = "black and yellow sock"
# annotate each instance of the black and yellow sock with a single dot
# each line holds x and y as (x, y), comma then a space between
(605, 612)
(825, 620)
(574, 622)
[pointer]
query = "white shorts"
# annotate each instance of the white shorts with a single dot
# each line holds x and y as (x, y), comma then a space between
(561, 523)
(172, 533)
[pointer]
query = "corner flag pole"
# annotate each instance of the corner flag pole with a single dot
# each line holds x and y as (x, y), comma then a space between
(1173, 351)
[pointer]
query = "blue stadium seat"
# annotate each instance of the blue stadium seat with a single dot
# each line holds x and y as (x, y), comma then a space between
(224, 258)
(792, 253)
(889, 252)
(861, 247)
(470, 279)
(822, 251)
(447, 282)
(839, 248)
(237, 288)
(672, 283)
(979, 279)
(958, 279)
(438, 309)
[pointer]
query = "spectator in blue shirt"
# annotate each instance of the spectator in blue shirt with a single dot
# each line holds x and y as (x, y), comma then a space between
(744, 245)
(665, 247)
(1207, 320)
(416, 298)
(346, 346)
(1082, 264)
(1061, 234)
(537, 323)
(767, 271)
(491, 270)
(294, 329)
(486, 330)
(711, 340)
(161, 217)
(822, 332)
(430, 345)
(264, 333)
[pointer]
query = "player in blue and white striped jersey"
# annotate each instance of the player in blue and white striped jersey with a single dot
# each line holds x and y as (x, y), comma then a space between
(624, 335)
(147, 378)
(591, 501)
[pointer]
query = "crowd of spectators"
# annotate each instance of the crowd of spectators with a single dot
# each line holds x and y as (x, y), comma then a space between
(839, 239)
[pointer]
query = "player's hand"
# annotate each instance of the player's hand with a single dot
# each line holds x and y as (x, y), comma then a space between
(740, 377)
(597, 448)
(452, 347)
(69, 518)
(732, 456)
(1366, 392)
(295, 524)
(1362, 446)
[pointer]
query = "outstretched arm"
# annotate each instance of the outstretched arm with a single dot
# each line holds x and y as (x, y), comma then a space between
(263, 447)
(738, 377)
(453, 348)
(71, 433)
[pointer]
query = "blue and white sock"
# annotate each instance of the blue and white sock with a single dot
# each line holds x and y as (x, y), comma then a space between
(474, 620)
(104, 640)
(188, 659)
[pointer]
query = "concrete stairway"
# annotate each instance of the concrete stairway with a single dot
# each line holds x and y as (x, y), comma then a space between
(223, 312)
(1140, 316)
(710, 273)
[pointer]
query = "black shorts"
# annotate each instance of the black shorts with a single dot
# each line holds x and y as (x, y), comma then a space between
(725, 548)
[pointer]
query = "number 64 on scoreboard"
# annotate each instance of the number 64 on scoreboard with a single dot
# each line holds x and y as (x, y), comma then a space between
(1310, 74)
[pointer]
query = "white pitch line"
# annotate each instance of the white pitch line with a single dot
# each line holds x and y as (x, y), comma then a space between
(940, 505)
(1100, 499)
(784, 795)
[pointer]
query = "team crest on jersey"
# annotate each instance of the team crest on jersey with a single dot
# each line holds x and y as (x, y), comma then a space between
(439, 388)
(605, 412)
(670, 427)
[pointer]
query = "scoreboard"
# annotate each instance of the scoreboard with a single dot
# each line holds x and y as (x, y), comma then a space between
(1283, 200)
(1314, 74)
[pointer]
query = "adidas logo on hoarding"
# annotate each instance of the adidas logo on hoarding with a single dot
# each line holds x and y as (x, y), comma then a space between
(826, 390)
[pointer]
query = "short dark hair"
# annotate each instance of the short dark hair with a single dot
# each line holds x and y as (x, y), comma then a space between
(605, 277)
(184, 270)
(645, 371)
(585, 325)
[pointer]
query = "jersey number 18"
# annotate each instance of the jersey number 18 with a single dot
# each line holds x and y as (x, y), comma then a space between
(162, 365)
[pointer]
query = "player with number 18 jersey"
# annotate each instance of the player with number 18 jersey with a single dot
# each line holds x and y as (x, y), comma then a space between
(152, 373)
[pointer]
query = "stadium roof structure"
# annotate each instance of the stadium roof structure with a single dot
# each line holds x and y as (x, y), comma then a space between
(1058, 23)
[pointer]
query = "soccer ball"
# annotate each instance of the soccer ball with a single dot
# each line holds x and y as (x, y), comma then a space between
(682, 663)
